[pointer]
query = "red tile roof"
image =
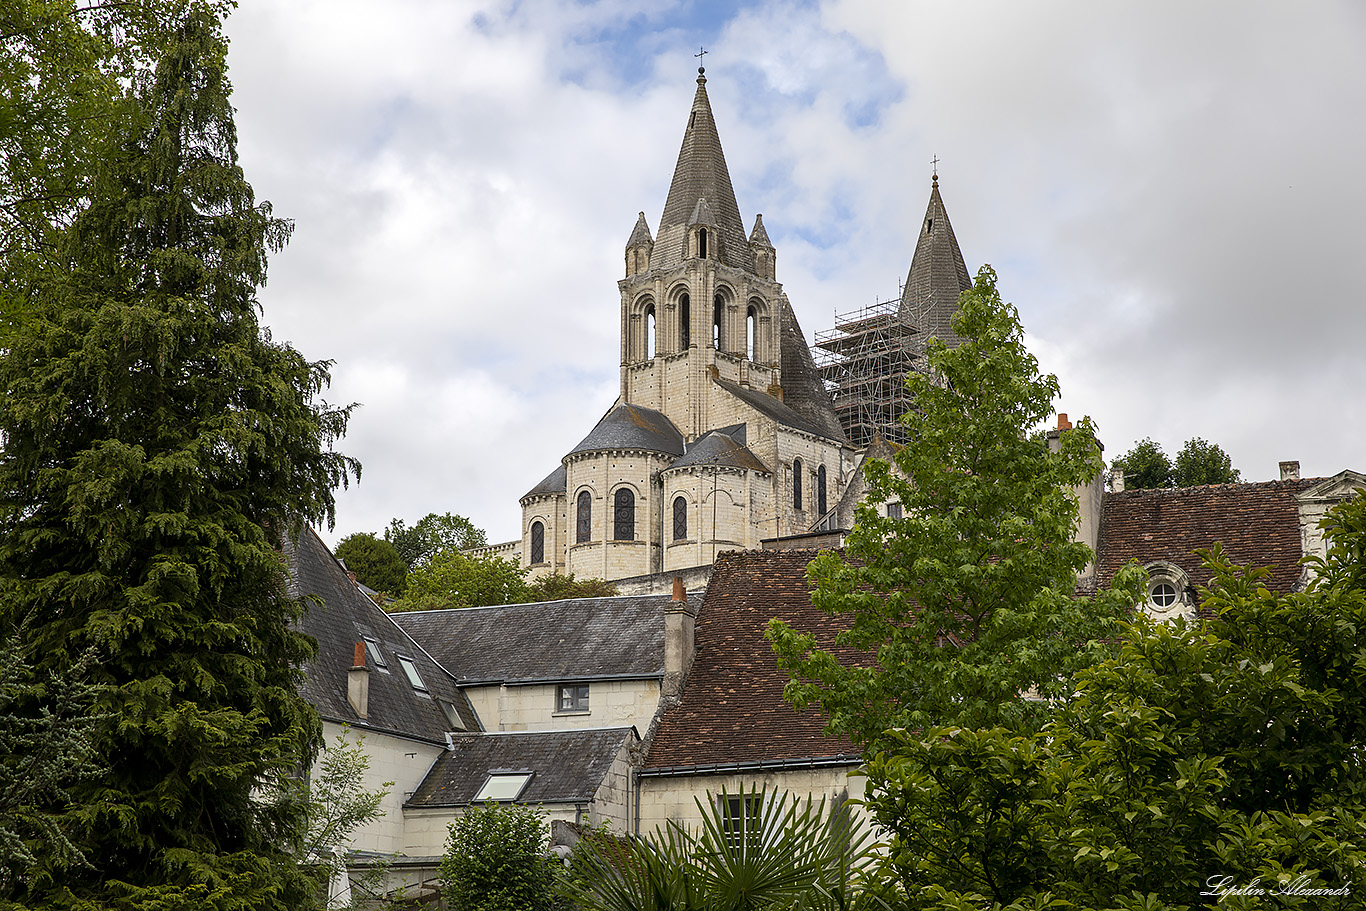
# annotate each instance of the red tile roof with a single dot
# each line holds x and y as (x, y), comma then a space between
(1258, 525)
(732, 710)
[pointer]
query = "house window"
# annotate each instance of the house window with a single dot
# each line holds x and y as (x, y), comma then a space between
(624, 515)
(820, 490)
(797, 484)
(537, 542)
(584, 516)
(452, 715)
(893, 510)
(1170, 592)
(571, 697)
(372, 649)
(410, 669)
(741, 820)
(1162, 595)
(503, 786)
(680, 518)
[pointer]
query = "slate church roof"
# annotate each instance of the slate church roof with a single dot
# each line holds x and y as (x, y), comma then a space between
(732, 709)
(938, 275)
(631, 427)
(549, 641)
(338, 616)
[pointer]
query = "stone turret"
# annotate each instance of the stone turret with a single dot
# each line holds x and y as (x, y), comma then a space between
(638, 247)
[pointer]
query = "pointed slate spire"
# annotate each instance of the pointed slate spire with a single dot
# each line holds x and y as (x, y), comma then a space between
(639, 247)
(938, 275)
(761, 248)
(640, 234)
(759, 237)
(701, 174)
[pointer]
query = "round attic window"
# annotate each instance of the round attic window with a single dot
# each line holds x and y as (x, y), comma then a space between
(1162, 595)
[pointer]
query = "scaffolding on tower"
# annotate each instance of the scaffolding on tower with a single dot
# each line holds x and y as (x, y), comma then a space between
(864, 361)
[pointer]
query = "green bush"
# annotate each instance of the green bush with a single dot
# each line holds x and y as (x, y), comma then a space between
(496, 861)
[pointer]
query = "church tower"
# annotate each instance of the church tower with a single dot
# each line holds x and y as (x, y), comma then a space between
(938, 275)
(700, 300)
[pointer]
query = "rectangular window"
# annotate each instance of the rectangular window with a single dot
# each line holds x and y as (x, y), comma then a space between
(741, 820)
(452, 715)
(503, 786)
(893, 510)
(571, 698)
(372, 649)
(410, 668)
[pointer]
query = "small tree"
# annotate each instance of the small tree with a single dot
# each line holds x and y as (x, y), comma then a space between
(1144, 466)
(431, 535)
(496, 860)
(454, 579)
(1202, 462)
(967, 602)
(556, 587)
(375, 562)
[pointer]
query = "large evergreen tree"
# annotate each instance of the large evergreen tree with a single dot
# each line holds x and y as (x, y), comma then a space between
(157, 445)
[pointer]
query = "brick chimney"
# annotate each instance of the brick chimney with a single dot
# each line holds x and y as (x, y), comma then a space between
(1290, 471)
(679, 620)
(358, 683)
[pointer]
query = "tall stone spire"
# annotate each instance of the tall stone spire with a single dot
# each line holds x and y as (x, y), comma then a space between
(701, 174)
(938, 275)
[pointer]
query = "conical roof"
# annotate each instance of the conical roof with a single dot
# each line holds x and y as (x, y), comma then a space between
(938, 275)
(633, 427)
(759, 237)
(701, 174)
(640, 234)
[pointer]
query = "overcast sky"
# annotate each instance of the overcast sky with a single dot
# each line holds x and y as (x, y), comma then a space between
(1172, 194)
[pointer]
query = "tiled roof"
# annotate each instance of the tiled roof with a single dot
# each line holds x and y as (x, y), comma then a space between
(701, 173)
(803, 389)
(1258, 524)
(554, 483)
(938, 275)
(338, 620)
(567, 766)
(718, 448)
(732, 709)
(633, 427)
(551, 640)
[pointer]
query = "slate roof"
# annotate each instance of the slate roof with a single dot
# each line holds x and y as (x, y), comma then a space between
(633, 427)
(1258, 524)
(717, 447)
(580, 638)
(701, 173)
(938, 275)
(770, 407)
(568, 766)
(640, 234)
(803, 389)
(759, 236)
(732, 708)
(338, 620)
(553, 483)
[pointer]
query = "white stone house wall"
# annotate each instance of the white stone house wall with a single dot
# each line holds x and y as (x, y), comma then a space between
(533, 707)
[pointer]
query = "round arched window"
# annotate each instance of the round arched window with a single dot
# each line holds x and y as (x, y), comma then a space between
(1162, 595)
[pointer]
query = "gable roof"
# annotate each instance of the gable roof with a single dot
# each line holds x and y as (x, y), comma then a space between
(769, 407)
(631, 427)
(701, 173)
(581, 638)
(732, 708)
(1258, 524)
(566, 766)
(342, 616)
(937, 276)
(718, 447)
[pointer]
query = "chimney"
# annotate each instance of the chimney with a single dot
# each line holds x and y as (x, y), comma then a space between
(1117, 482)
(1063, 422)
(358, 683)
(1290, 471)
(679, 620)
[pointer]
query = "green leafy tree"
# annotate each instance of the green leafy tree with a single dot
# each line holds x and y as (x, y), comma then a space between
(1144, 466)
(431, 535)
(157, 446)
(338, 805)
(455, 579)
(754, 850)
(557, 587)
(496, 860)
(1202, 462)
(1226, 752)
(968, 601)
(375, 562)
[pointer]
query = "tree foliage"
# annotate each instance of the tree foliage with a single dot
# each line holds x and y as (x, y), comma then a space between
(375, 562)
(968, 600)
(455, 579)
(338, 805)
(496, 861)
(431, 535)
(557, 587)
(1199, 462)
(157, 446)
(1203, 755)
(754, 851)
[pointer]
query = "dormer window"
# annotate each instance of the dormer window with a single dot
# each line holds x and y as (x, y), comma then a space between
(1170, 593)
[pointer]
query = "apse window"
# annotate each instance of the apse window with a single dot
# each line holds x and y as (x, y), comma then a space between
(410, 670)
(503, 786)
(571, 698)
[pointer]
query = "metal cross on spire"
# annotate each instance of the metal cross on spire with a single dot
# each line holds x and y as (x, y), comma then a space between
(701, 52)
(934, 163)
